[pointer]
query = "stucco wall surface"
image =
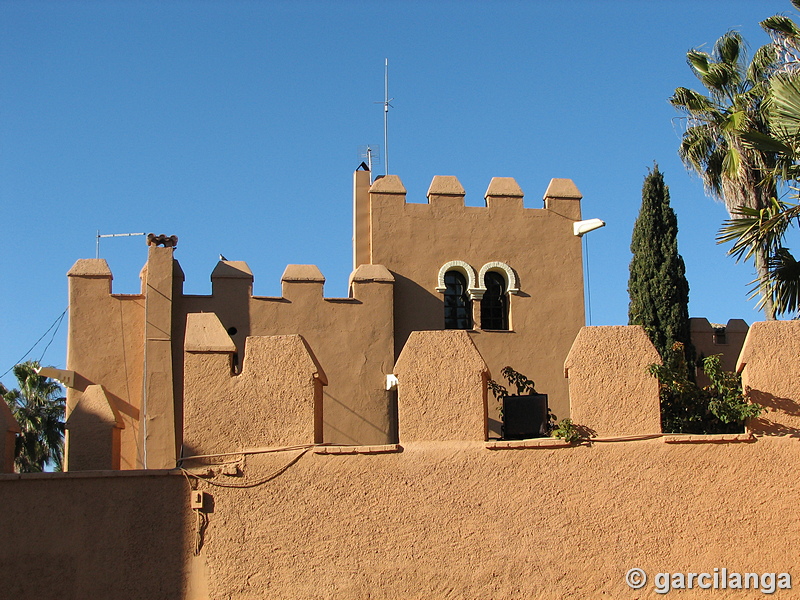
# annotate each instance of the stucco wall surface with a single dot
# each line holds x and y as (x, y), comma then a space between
(436, 520)
(610, 388)
(105, 535)
(351, 338)
(441, 388)
(455, 520)
(274, 401)
(707, 342)
(414, 240)
(106, 347)
(770, 367)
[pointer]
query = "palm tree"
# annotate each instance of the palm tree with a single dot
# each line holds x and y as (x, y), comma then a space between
(766, 227)
(732, 171)
(38, 406)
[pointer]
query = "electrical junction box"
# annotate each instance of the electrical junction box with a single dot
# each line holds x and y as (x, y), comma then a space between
(196, 499)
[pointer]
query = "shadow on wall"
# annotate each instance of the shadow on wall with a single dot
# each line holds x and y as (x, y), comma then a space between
(428, 309)
(334, 406)
(81, 383)
(83, 524)
(773, 404)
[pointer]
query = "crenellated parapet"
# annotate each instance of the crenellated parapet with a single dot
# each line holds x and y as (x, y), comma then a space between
(351, 337)
(716, 338)
(610, 388)
(93, 428)
(276, 399)
(770, 370)
(562, 197)
(534, 251)
(441, 388)
(106, 347)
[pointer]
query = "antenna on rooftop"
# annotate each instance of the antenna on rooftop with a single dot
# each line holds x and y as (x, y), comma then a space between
(369, 153)
(386, 106)
(108, 235)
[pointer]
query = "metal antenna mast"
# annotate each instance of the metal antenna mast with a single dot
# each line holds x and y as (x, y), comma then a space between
(371, 154)
(108, 235)
(386, 106)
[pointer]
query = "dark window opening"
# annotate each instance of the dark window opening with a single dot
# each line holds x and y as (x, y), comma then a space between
(720, 335)
(494, 304)
(457, 305)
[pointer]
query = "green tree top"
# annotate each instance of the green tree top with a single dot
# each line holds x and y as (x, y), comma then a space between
(657, 287)
(38, 406)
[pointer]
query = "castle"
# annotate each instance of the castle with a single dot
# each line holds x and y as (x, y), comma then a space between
(232, 446)
(510, 276)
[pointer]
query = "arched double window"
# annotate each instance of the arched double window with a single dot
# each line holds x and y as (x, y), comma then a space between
(497, 282)
(494, 304)
(492, 287)
(457, 304)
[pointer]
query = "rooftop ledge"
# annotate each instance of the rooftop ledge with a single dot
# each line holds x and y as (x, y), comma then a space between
(380, 449)
(713, 438)
(532, 443)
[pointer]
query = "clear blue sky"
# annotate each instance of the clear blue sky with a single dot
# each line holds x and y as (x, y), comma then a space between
(236, 126)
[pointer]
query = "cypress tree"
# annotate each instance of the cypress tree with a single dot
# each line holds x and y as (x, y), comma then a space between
(657, 287)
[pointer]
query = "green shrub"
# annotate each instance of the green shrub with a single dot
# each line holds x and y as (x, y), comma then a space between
(687, 408)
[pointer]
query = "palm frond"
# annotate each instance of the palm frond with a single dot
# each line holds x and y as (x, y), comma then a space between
(38, 407)
(755, 230)
(762, 64)
(784, 281)
(783, 106)
(729, 47)
(782, 284)
(732, 163)
(780, 25)
(721, 78)
(698, 62)
(690, 101)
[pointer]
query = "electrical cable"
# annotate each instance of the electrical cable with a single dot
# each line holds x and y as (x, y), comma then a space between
(57, 321)
(52, 337)
(249, 484)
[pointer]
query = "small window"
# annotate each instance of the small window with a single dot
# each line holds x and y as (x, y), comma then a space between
(720, 336)
(457, 305)
(494, 304)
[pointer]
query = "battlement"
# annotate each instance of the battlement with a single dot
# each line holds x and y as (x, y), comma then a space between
(131, 347)
(534, 250)
(277, 398)
(562, 197)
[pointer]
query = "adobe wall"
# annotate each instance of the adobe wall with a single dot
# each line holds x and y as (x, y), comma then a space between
(107, 534)
(726, 340)
(770, 368)
(414, 241)
(351, 338)
(9, 428)
(610, 388)
(120, 341)
(456, 520)
(436, 516)
(437, 520)
(276, 399)
(105, 346)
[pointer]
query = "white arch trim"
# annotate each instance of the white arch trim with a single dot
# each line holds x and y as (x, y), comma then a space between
(505, 270)
(465, 269)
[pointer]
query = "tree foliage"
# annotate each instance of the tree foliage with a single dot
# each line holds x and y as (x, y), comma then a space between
(38, 406)
(713, 144)
(687, 408)
(766, 228)
(657, 286)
